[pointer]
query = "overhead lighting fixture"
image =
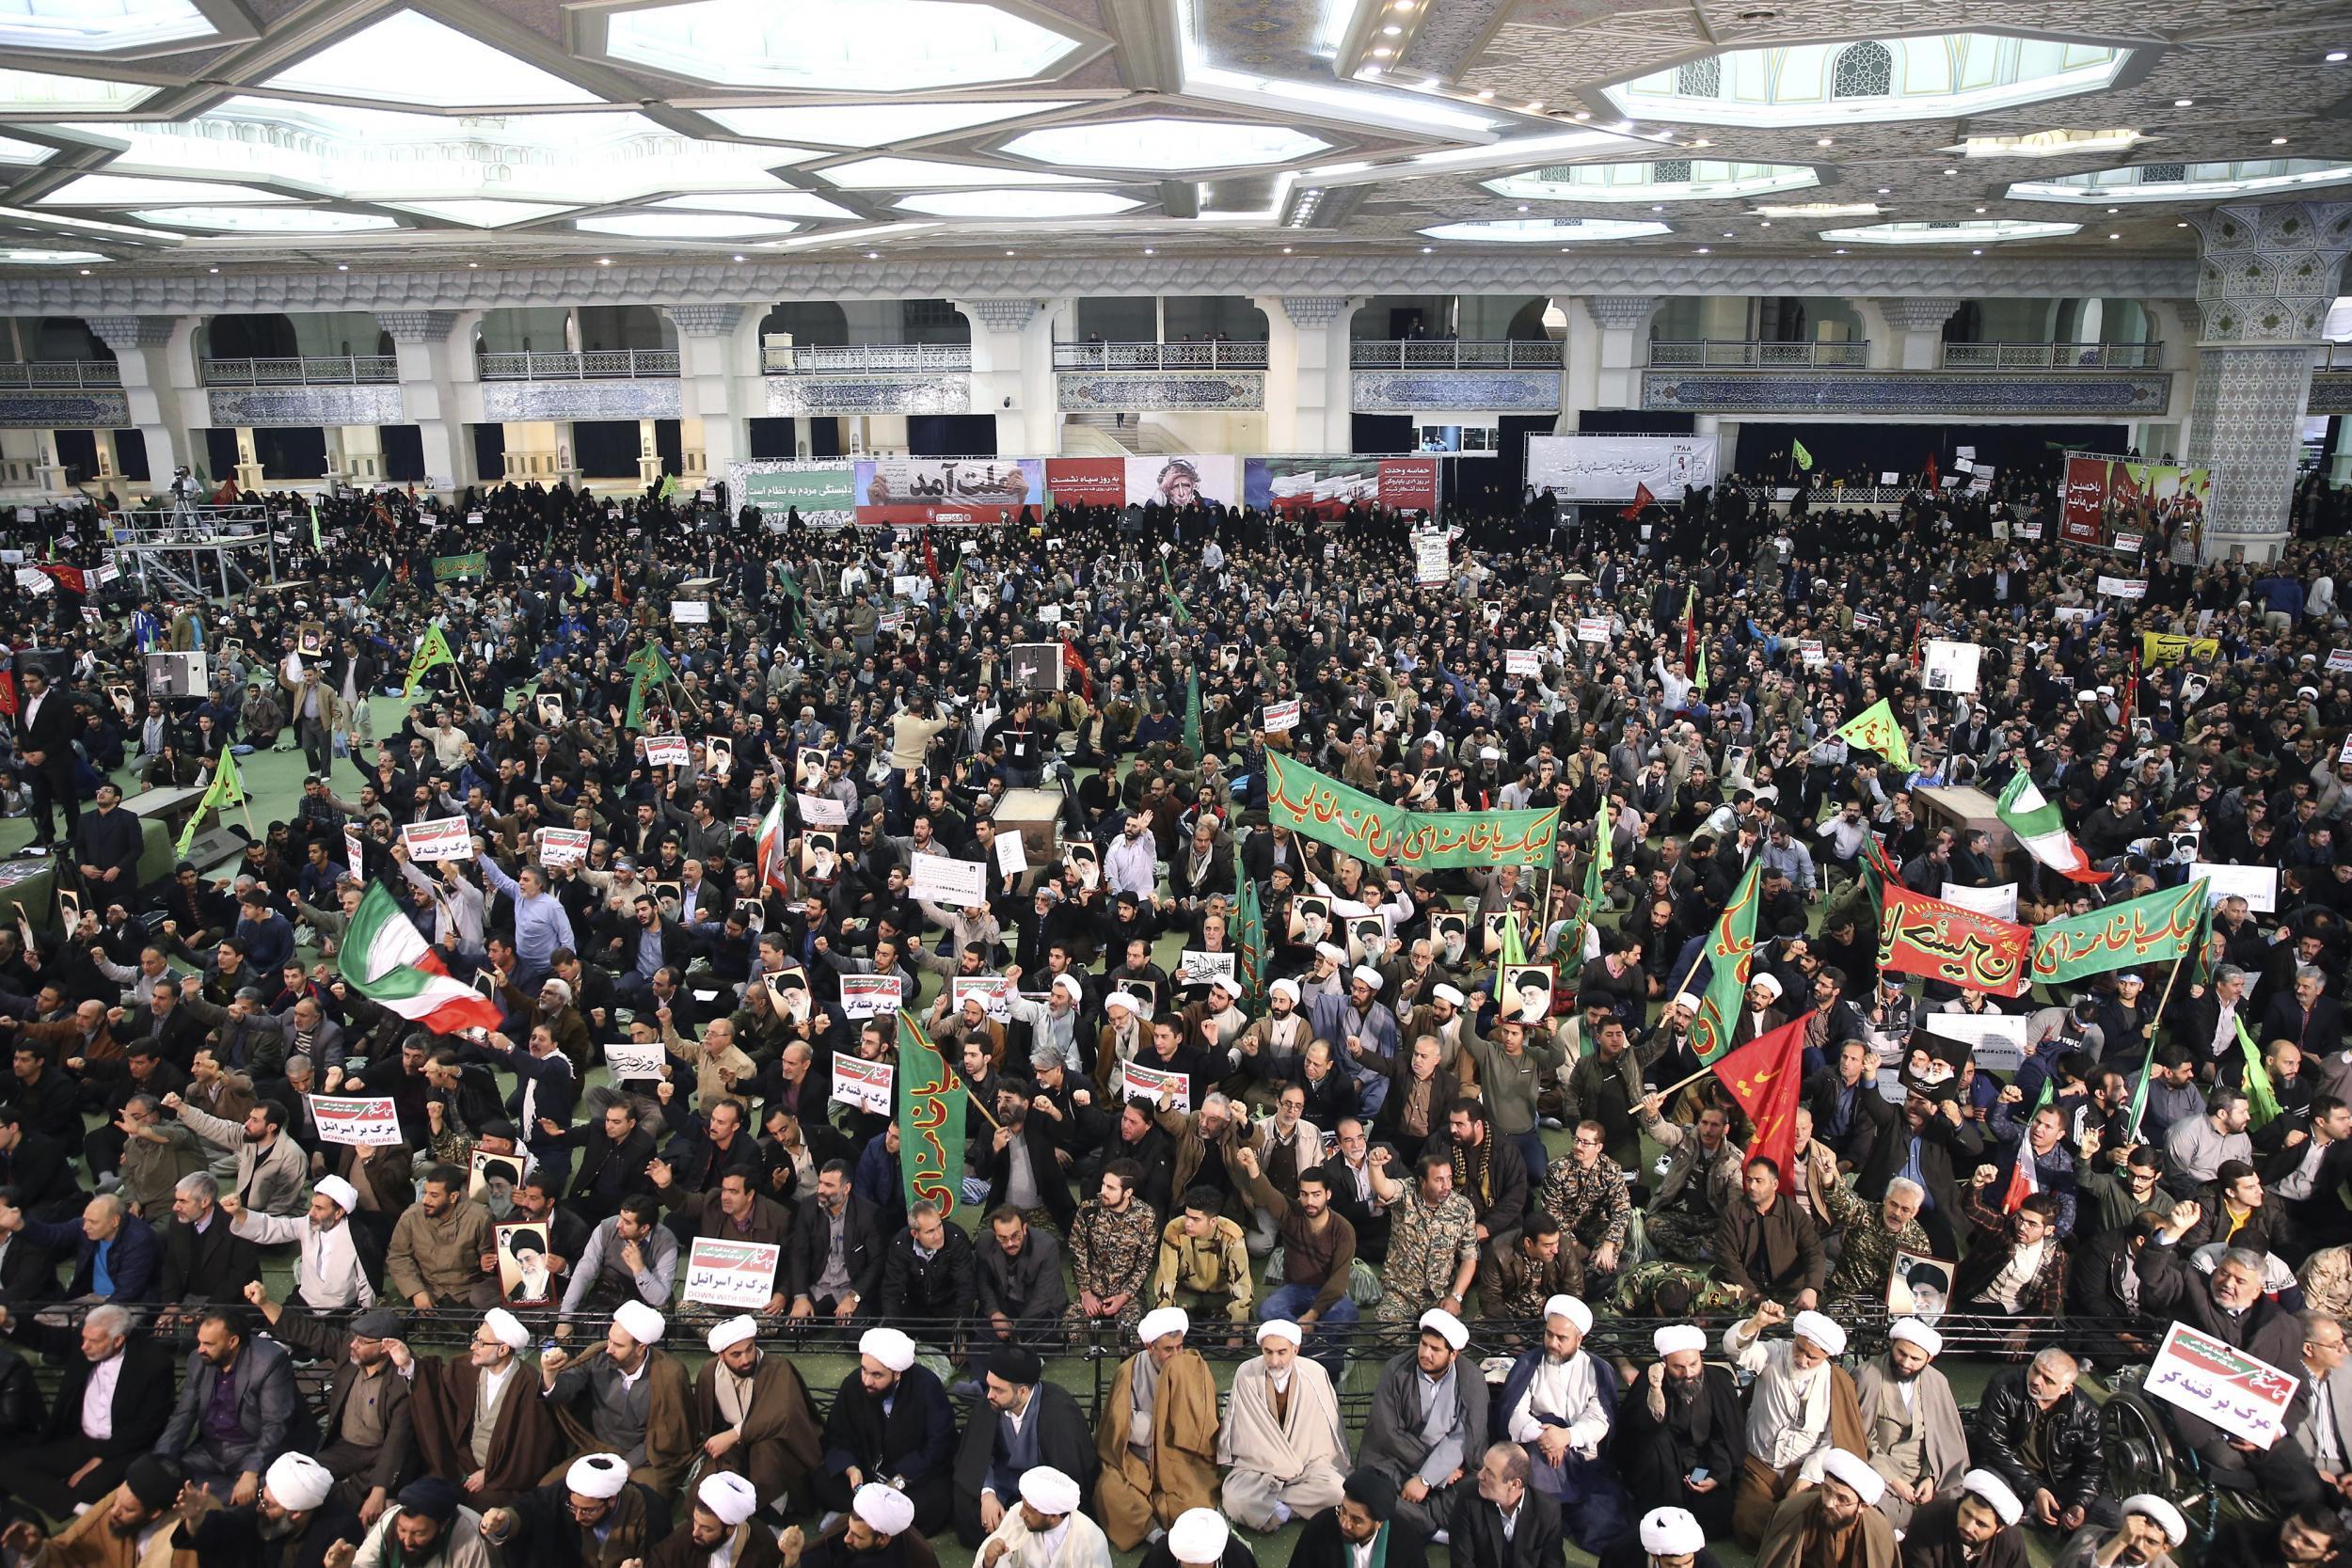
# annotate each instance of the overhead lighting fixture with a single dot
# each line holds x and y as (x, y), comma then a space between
(31, 256)
(2046, 144)
(266, 220)
(1165, 145)
(872, 124)
(1972, 231)
(1819, 210)
(836, 45)
(683, 226)
(2337, 56)
(1534, 231)
(408, 57)
(1019, 204)
(1949, 75)
(2130, 185)
(2184, 102)
(125, 190)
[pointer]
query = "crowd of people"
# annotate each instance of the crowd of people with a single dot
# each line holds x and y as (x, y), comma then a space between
(1432, 1266)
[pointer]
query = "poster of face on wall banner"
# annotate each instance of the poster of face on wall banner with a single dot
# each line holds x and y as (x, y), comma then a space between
(1175, 480)
(948, 490)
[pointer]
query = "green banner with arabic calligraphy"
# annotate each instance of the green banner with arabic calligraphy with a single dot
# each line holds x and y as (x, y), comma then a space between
(2153, 929)
(931, 1098)
(1322, 808)
(1919, 935)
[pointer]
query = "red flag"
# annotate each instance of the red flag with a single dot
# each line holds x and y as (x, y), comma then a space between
(1641, 498)
(1071, 662)
(2131, 691)
(10, 707)
(227, 494)
(1930, 471)
(68, 577)
(930, 558)
(2025, 1179)
(1764, 1076)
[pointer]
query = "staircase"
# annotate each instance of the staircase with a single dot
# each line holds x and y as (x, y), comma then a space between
(1135, 437)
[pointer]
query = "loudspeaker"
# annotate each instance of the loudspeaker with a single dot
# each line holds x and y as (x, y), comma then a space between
(215, 846)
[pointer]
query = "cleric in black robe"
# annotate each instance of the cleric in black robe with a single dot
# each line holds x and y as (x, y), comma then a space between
(1680, 1417)
(890, 1421)
(290, 1525)
(1051, 1429)
(1367, 1509)
(1975, 1527)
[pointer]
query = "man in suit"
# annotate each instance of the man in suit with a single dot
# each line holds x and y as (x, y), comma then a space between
(2324, 1434)
(1849, 1113)
(44, 737)
(612, 1163)
(113, 1396)
(2307, 1016)
(815, 1283)
(1509, 1524)
(264, 1403)
(117, 1257)
(205, 1262)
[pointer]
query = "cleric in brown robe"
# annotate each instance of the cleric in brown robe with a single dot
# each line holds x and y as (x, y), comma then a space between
(1834, 1525)
(724, 1516)
(493, 1460)
(756, 1410)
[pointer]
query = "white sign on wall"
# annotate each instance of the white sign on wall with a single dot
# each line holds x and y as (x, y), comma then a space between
(1612, 467)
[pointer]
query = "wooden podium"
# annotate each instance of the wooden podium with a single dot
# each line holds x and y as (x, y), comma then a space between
(1034, 813)
(1962, 808)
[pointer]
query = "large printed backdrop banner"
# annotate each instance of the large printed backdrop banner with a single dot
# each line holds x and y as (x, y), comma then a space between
(1326, 487)
(948, 490)
(2096, 485)
(1177, 480)
(1610, 467)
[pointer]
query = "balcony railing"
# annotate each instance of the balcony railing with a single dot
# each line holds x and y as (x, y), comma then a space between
(1159, 357)
(866, 358)
(2053, 356)
(1449, 354)
(60, 372)
(1730, 353)
(2335, 357)
(327, 369)
(596, 364)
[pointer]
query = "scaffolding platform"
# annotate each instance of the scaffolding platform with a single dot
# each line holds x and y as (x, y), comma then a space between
(198, 552)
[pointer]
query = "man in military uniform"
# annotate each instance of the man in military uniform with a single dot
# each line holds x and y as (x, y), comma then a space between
(1874, 1232)
(1433, 1239)
(1114, 1242)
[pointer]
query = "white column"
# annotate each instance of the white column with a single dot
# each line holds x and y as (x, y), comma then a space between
(1624, 322)
(1310, 384)
(155, 356)
(1012, 372)
(719, 379)
(1579, 363)
(434, 352)
(249, 475)
(1918, 324)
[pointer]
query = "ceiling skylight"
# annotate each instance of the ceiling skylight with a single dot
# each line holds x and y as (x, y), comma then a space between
(1165, 145)
(1663, 180)
(2186, 181)
(883, 174)
(1020, 204)
(684, 226)
(54, 258)
(99, 27)
(123, 190)
(1557, 230)
(485, 213)
(870, 124)
(791, 204)
(408, 57)
(27, 92)
(1974, 231)
(266, 220)
(834, 45)
(1936, 76)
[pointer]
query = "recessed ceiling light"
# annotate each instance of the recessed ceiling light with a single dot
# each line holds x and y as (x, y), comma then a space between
(1391, 30)
(470, 265)
(1485, 92)
(604, 261)
(2112, 210)
(1825, 141)
(1427, 248)
(1522, 206)
(1841, 250)
(1701, 141)
(1383, 51)
(1148, 251)
(212, 269)
(1729, 234)
(1658, 207)
(1951, 171)
(1702, 250)
(342, 266)
(2183, 224)
(876, 255)
(1582, 115)
(2278, 141)
(1887, 190)
(2337, 56)
(1286, 250)
(2115, 236)
(2184, 102)
(1536, 107)
(85, 272)
(738, 254)
(1976, 253)
(1981, 209)
(1767, 223)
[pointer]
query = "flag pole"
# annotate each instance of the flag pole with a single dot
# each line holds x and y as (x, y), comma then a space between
(955, 1073)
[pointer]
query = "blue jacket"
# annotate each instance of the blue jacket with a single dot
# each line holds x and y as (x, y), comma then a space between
(134, 1261)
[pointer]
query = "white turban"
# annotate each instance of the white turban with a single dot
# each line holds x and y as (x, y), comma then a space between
(732, 1332)
(1572, 1309)
(1689, 1004)
(1049, 1490)
(1821, 1330)
(597, 1475)
(1672, 1532)
(1163, 1320)
(1994, 1491)
(341, 1194)
(1367, 974)
(885, 1509)
(889, 1346)
(1446, 1326)
(299, 1482)
(1226, 984)
(1856, 1472)
(728, 1495)
(1332, 951)
(639, 1322)
(1676, 1338)
(508, 1327)
(1077, 988)
(1449, 993)
(2150, 1506)
(1917, 1333)
(1766, 983)
(1199, 1535)
(1281, 1328)
(1284, 988)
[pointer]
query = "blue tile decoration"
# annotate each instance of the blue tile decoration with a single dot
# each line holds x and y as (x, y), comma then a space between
(1134, 391)
(303, 405)
(2066, 393)
(651, 398)
(2331, 393)
(1403, 392)
(870, 394)
(64, 410)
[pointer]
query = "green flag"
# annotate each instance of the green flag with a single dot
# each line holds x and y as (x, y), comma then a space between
(226, 789)
(433, 651)
(955, 589)
(1514, 945)
(1175, 604)
(1729, 955)
(932, 1100)
(1876, 729)
(1699, 681)
(314, 526)
(2262, 1100)
(1805, 458)
(1249, 940)
(669, 488)
(2157, 928)
(1192, 714)
(651, 671)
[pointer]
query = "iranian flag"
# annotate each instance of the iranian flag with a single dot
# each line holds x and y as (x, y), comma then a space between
(771, 856)
(2043, 831)
(384, 960)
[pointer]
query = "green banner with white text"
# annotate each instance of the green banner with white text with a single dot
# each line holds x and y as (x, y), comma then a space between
(1322, 808)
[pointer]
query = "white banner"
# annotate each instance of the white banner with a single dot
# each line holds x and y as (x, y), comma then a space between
(1280, 716)
(1013, 856)
(1999, 902)
(2257, 884)
(1592, 628)
(1146, 1083)
(690, 612)
(563, 845)
(444, 838)
(354, 854)
(1951, 666)
(869, 995)
(1432, 564)
(668, 750)
(1610, 467)
(2340, 658)
(1522, 661)
(2122, 588)
(624, 1059)
(994, 991)
(822, 811)
(732, 1273)
(1997, 1040)
(370, 1121)
(2244, 1395)
(863, 1083)
(957, 884)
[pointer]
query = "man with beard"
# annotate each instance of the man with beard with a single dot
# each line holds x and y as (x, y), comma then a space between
(1668, 1537)
(480, 1419)
(1801, 1405)
(119, 1531)
(877, 1532)
(253, 1379)
(2144, 1536)
(1200, 1538)
(114, 1393)
(1974, 1529)
(719, 1530)
(595, 1517)
(1158, 1439)
(333, 1271)
(1281, 1445)
(1834, 1525)
(294, 1523)
(428, 1529)
(438, 1244)
(1682, 1439)
(1485, 1173)
(1428, 1419)
(833, 1266)
(756, 1410)
(1024, 1424)
(890, 1421)
(1560, 1403)
(1045, 1529)
(1361, 1528)
(2312, 1538)
(638, 1399)
(1114, 1242)
(367, 1427)
(1917, 1443)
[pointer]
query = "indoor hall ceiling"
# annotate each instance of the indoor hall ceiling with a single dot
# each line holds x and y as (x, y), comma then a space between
(263, 135)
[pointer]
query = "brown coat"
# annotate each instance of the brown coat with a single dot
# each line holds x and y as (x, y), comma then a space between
(669, 1441)
(1133, 1496)
(523, 1443)
(780, 1444)
(87, 1542)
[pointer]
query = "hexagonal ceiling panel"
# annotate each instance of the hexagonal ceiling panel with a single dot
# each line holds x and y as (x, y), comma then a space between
(849, 46)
